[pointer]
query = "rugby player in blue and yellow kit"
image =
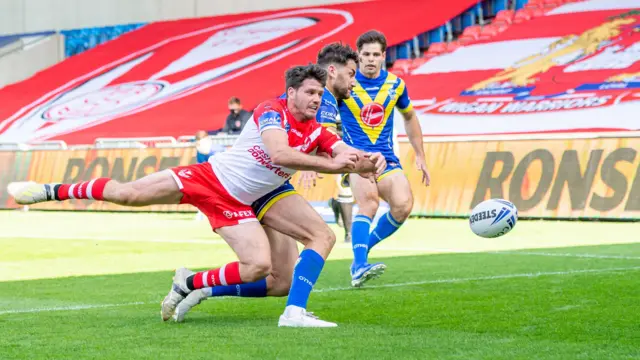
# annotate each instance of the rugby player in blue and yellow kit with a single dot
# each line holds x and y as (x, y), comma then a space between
(367, 123)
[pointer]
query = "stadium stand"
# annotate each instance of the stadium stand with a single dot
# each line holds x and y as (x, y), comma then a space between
(461, 64)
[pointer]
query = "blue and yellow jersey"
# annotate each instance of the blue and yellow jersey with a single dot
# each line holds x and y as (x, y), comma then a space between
(328, 114)
(367, 116)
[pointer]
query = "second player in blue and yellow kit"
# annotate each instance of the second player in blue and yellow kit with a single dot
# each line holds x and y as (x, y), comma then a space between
(368, 125)
(367, 116)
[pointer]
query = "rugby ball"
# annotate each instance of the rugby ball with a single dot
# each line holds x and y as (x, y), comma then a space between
(493, 218)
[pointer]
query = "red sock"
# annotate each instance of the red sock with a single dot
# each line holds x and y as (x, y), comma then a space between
(227, 275)
(89, 190)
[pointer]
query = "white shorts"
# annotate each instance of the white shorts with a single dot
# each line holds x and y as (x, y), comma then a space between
(344, 190)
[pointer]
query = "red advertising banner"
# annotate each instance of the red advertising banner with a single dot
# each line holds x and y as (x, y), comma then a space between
(173, 78)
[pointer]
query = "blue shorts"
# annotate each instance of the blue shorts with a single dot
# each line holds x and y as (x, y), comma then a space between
(392, 167)
(262, 205)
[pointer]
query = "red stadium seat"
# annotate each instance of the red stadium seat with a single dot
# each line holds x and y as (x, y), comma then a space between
(401, 66)
(535, 5)
(472, 31)
(522, 15)
(505, 16)
(537, 12)
(453, 46)
(551, 3)
(437, 48)
(501, 26)
(489, 31)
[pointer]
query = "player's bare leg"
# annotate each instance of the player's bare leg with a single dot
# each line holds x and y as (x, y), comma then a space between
(156, 188)
(346, 211)
(294, 217)
(396, 191)
(249, 241)
(345, 200)
(284, 253)
(365, 192)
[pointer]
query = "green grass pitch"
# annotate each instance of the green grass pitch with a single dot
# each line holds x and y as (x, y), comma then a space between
(89, 286)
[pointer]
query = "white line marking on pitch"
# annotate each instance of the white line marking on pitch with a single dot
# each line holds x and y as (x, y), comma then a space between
(68, 308)
(98, 238)
(485, 278)
(594, 256)
(413, 283)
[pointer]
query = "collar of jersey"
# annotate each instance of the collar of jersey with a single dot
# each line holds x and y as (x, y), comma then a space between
(361, 78)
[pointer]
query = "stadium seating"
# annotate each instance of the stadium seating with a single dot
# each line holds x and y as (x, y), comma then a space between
(80, 40)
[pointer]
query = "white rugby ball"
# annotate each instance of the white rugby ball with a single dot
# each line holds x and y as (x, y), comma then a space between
(493, 218)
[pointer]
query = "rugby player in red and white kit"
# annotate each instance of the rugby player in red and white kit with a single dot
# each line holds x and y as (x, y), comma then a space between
(277, 142)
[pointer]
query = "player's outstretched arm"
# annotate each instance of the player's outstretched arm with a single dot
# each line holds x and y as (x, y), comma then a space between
(277, 144)
(368, 163)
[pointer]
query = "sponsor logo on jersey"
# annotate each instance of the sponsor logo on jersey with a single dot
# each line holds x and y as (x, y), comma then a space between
(372, 114)
(263, 158)
(270, 119)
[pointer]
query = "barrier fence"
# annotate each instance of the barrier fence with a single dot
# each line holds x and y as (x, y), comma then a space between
(556, 178)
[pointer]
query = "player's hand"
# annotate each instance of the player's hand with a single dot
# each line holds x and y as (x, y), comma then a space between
(421, 164)
(346, 161)
(379, 161)
(308, 179)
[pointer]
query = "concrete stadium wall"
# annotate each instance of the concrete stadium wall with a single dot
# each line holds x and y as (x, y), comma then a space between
(21, 16)
(18, 63)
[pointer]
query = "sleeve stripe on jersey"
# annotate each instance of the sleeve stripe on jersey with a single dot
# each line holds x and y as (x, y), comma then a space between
(407, 109)
(269, 127)
(336, 144)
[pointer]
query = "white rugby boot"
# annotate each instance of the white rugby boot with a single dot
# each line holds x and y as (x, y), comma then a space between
(178, 292)
(29, 192)
(194, 298)
(295, 316)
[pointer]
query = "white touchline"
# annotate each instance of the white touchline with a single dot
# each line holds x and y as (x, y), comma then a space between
(413, 283)
(594, 256)
(68, 308)
(485, 278)
(98, 238)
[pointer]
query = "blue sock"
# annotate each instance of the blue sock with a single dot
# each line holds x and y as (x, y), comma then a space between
(305, 275)
(387, 225)
(254, 289)
(360, 238)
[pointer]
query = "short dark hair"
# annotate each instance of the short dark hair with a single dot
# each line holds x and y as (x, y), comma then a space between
(372, 37)
(234, 100)
(296, 75)
(336, 53)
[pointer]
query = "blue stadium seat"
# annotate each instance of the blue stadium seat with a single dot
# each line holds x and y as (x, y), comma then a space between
(423, 40)
(469, 18)
(79, 40)
(437, 35)
(521, 3)
(404, 50)
(456, 24)
(500, 5)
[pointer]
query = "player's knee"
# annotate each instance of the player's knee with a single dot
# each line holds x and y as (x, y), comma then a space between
(368, 206)
(325, 237)
(125, 194)
(281, 286)
(257, 270)
(402, 211)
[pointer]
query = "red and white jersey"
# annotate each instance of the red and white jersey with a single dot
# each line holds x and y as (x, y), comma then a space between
(246, 170)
